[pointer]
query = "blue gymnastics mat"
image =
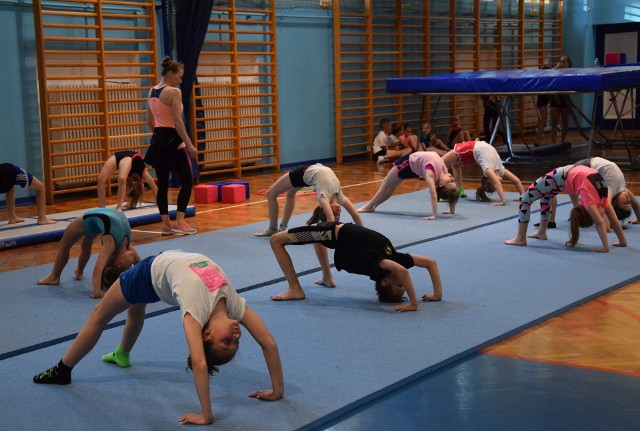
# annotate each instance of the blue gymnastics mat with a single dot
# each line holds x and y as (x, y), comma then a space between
(30, 232)
(339, 347)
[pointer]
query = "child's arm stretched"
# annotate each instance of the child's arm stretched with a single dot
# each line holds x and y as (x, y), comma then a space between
(434, 273)
(151, 183)
(326, 207)
(510, 176)
(431, 185)
(617, 228)
(402, 274)
(351, 209)
(497, 185)
(108, 247)
(601, 227)
(261, 334)
(193, 334)
(636, 208)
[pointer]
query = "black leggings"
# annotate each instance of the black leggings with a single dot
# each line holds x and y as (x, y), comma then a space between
(182, 165)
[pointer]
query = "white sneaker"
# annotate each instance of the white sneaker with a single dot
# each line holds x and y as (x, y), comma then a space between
(267, 232)
(380, 159)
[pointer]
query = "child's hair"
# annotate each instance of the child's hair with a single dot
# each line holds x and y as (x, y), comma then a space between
(486, 186)
(385, 294)
(317, 216)
(578, 218)
(621, 213)
(449, 194)
(110, 272)
(396, 128)
(169, 65)
(383, 122)
(134, 192)
(213, 357)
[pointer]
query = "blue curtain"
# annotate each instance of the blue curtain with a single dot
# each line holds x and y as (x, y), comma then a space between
(192, 19)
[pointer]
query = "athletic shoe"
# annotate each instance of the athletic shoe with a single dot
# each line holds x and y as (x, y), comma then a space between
(52, 376)
(380, 159)
(167, 230)
(267, 232)
(183, 229)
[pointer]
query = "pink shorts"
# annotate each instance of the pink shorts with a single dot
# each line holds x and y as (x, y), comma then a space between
(464, 151)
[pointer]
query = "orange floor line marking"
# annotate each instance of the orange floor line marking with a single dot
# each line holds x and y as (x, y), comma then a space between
(635, 373)
(619, 308)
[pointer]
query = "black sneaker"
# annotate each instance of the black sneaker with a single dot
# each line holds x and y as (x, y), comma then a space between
(52, 377)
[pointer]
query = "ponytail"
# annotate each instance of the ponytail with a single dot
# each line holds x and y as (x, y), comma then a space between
(486, 186)
(578, 218)
(317, 216)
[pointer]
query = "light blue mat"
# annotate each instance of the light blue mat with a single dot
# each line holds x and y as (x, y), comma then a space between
(339, 347)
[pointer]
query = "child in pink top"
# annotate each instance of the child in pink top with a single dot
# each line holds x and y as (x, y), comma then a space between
(421, 164)
(588, 193)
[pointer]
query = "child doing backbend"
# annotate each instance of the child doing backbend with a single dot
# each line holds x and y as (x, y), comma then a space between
(12, 176)
(588, 193)
(422, 164)
(358, 250)
(619, 196)
(116, 254)
(488, 158)
(327, 188)
(132, 172)
(211, 314)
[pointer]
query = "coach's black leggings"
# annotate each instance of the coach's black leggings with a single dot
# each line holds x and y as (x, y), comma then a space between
(182, 165)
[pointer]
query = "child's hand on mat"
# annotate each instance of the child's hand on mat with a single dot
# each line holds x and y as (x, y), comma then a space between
(265, 395)
(430, 298)
(405, 307)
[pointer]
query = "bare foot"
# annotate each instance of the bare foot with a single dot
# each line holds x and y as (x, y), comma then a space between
(97, 295)
(45, 221)
(516, 241)
(289, 295)
(50, 280)
(538, 235)
(16, 220)
(78, 275)
(365, 209)
(326, 282)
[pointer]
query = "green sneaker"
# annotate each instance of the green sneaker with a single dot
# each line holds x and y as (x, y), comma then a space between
(118, 357)
(461, 192)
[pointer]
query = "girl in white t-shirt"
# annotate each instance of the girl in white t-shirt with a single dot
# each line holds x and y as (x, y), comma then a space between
(328, 191)
(489, 161)
(212, 312)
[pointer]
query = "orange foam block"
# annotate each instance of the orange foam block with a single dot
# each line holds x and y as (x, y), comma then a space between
(206, 193)
(233, 193)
